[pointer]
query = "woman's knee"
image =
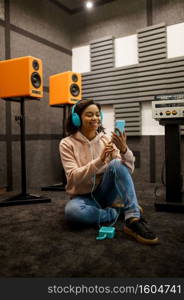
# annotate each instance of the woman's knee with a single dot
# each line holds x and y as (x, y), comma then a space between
(116, 165)
(72, 210)
(80, 213)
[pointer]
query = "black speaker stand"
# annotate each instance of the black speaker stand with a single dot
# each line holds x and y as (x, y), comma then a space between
(61, 185)
(23, 198)
(171, 198)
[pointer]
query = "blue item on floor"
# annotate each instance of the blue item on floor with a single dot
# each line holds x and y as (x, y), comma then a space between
(106, 232)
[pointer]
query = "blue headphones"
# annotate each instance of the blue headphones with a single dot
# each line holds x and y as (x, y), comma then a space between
(76, 119)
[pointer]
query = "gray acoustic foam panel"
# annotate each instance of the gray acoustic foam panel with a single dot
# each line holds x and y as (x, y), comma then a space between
(3, 164)
(152, 43)
(41, 159)
(131, 113)
(2, 9)
(43, 19)
(2, 117)
(16, 165)
(42, 166)
(170, 12)
(2, 43)
(2, 102)
(102, 54)
(141, 146)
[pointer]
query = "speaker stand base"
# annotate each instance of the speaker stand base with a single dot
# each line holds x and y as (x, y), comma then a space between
(23, 199)
(56, 187)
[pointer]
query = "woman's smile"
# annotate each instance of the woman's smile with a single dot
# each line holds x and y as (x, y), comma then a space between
(94, 123)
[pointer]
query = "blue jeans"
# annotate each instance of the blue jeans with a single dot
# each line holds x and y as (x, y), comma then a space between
(94, 208)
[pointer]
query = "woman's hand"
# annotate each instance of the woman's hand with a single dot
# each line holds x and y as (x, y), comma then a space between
(119, 140)
(107, 151)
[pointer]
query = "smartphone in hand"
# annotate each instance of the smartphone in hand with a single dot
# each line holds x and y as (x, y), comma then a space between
(120, 124)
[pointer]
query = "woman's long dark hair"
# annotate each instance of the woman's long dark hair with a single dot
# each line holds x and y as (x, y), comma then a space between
(79, 108)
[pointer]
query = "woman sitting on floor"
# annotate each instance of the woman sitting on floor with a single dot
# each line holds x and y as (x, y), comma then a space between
(98, 170)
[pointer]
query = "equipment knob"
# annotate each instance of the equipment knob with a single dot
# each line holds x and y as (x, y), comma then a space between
(174, 112)
(168, 112)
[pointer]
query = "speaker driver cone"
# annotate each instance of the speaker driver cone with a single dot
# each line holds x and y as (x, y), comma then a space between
(74, 90)
(35, 65)
(74, 78)
(36, 80)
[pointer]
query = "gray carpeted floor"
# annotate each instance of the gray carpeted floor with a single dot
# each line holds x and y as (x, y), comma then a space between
(35, 241)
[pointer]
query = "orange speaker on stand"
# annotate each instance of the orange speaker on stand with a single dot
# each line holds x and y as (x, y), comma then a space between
(65, 88)
(21, 78)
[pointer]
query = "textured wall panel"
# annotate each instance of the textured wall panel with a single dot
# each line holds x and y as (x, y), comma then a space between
(170, 12)
(141, 144)
(152, 33)
(2, 117)
(2, 164)
(42, 18)
(2, 9)
(43, 164)
(41, 157)
(107, 60)
(2, 102)
(2, 43)
(131, 113)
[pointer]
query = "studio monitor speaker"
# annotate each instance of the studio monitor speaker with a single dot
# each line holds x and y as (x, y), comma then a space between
(65, 88)
(21, 77)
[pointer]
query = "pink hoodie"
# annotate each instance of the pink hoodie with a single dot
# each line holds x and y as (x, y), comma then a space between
(81, 161)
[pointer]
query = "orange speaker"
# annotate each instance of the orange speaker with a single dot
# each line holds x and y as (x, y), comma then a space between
(65, 88)
(21, 77)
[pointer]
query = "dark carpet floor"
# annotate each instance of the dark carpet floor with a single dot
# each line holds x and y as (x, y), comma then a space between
(36, 241)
